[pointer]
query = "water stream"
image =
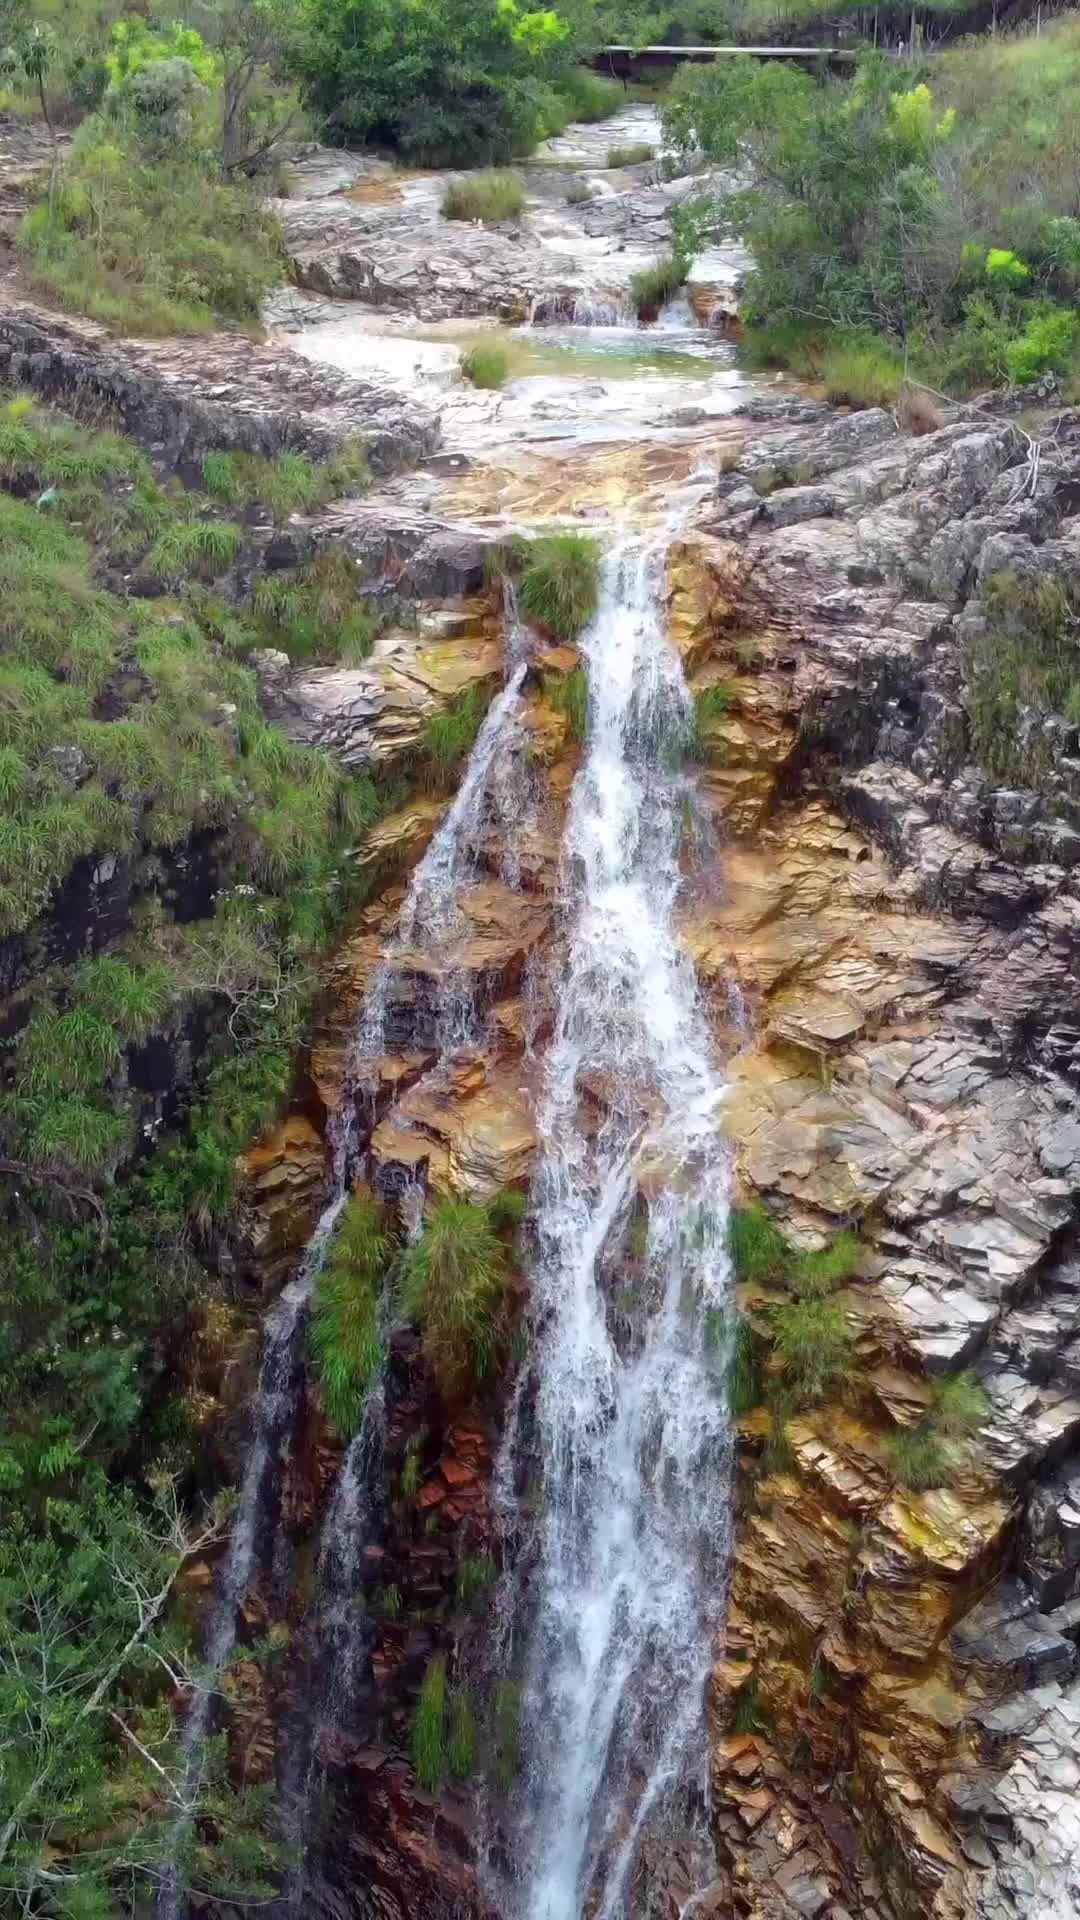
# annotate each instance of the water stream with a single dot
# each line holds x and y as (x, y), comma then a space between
(624, 1591)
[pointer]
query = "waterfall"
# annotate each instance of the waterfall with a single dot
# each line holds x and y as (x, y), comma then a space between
(431, 919)
(494, 790)
(273, 1410)
(621, 1591)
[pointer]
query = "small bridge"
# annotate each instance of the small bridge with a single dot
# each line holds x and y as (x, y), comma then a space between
(635, 63)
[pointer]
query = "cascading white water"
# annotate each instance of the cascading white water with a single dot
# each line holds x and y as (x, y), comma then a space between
(624, 1594)
(495, 784)
(430, 919)
(280, 1373)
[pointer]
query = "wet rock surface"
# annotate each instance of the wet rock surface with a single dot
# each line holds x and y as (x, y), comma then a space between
(184, 399)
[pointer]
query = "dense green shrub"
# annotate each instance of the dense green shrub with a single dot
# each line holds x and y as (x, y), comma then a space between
(460, 84)
(453, 1287)
(489, 196)
(148, 243)
(345, 1338)
(933, 232)
(560, 582)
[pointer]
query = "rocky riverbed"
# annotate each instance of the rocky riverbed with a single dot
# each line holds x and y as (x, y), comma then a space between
(887, 945)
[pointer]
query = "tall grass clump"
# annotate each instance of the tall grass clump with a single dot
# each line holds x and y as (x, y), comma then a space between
(429, 1731)
(930, 1454)
(316, 613)
(560, 583)
(194, 550)
(487, 364)
(653, 286)
(759, 1251)
(285, 482)
(453, 1286)
(345, 1342)
(814, 1347)
(569, 694)
(490, 196)
(710, 706)
(635, 154)
(450, 734)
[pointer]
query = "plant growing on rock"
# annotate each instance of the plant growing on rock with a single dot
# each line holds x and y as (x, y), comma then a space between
(486, 365)
(317, 612)
(285, 482)
(759, 1250)
(490, 197)
(560, 582)
(450, 734)
(710, 705)
(652, 287)
(569, 694)
(814, 1348)
(929, 1454)
(453, 1286)
(1022, 666)
(634, 154)
(429, 1756)
(345, 1341)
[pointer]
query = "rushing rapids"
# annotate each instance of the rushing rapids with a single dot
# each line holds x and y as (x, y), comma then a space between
(622, 1590)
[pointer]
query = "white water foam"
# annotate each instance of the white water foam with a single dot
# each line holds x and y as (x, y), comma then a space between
(624, 1597)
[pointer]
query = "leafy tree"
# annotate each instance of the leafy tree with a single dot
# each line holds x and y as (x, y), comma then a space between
(456, 81)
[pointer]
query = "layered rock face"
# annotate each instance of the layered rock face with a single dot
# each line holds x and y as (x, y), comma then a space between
(894, 1713)
(906, 932)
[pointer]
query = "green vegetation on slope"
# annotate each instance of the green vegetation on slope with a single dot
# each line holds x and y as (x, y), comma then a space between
(1023, 666)
(169, 867)
(894, 227)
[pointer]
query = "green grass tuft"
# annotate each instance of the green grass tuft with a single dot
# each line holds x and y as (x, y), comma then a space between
(475, 1574)
(569, 694)
(507, 1209)
(815, 1347)
(710, 705)
(652, 287)
(487, 365)
(759, 1250)
(830, 1267)
(634, 154)
(453, 1287)
(490, 196)
(317, 613)
(345, 1342)
(429, 1731)
(462, 1737)
(285, 482)
(560, 583)
(195, 550)
(450, 735)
